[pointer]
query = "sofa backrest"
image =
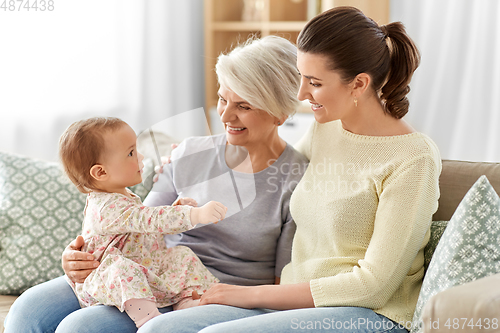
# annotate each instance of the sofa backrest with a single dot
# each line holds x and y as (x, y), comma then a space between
(457, 178)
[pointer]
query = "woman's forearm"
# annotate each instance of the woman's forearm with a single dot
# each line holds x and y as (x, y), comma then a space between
(284, 297)
(277, 297)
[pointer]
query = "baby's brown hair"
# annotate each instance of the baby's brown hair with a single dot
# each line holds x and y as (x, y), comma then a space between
(81, 146)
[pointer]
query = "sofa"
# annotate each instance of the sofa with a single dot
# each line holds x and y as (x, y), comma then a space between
(456, 179)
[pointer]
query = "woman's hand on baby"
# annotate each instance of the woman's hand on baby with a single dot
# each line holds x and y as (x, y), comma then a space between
(211, 212)
(77, 264)
(164, 160)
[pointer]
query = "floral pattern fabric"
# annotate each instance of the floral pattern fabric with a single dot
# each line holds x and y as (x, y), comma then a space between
(127, 238)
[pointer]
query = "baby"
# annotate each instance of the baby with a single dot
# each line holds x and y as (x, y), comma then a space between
(137, 272)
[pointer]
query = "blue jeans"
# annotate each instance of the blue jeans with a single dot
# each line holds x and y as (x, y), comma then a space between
(227, 319)
(53, 307)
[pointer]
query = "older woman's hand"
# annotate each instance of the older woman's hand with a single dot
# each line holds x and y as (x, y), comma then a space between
(76, 264)
(164, 160)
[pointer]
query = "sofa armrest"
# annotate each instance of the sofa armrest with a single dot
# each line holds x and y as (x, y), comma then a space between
(5, 303)
(477, 304)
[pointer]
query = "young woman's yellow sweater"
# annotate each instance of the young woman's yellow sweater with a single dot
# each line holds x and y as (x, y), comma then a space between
(363, 211)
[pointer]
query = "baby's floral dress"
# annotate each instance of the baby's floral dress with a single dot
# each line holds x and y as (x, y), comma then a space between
(127, 238)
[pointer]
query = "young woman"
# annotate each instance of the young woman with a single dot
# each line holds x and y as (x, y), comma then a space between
(364, 205)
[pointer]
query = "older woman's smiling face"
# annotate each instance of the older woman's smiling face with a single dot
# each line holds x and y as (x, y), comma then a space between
(245, 125)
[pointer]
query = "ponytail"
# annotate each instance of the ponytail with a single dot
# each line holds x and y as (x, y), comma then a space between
(355, 44)
(404, 60)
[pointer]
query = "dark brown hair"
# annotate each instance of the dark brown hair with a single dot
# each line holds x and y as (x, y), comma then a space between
(81, 146)
(356, 44)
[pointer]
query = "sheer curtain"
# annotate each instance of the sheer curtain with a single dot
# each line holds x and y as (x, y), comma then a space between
(455, 96)
(141, 61)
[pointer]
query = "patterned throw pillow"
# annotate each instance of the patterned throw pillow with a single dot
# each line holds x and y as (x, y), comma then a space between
(437, 229)
(40, 213)
(468, 249)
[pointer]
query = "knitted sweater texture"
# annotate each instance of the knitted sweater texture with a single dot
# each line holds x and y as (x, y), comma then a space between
(363, 211)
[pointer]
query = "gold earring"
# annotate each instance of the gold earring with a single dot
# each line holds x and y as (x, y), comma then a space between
(355, 102)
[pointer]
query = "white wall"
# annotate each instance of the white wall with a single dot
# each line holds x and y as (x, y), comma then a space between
(141, 61)
(455, 96)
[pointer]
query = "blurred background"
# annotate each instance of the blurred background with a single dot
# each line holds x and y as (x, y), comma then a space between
(148, 61)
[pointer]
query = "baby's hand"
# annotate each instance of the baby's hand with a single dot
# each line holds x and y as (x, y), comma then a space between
(211, 212)
(185, 201)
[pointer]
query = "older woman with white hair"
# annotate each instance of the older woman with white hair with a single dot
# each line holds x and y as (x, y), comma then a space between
(249, 168)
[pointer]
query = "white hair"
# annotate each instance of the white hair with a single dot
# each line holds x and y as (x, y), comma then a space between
(264, 73)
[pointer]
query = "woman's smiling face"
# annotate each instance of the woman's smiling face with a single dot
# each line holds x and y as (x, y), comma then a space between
(245, 125)
(330, 97)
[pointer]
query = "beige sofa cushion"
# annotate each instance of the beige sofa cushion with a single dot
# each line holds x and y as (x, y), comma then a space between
(477, 304)
(457, 178)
